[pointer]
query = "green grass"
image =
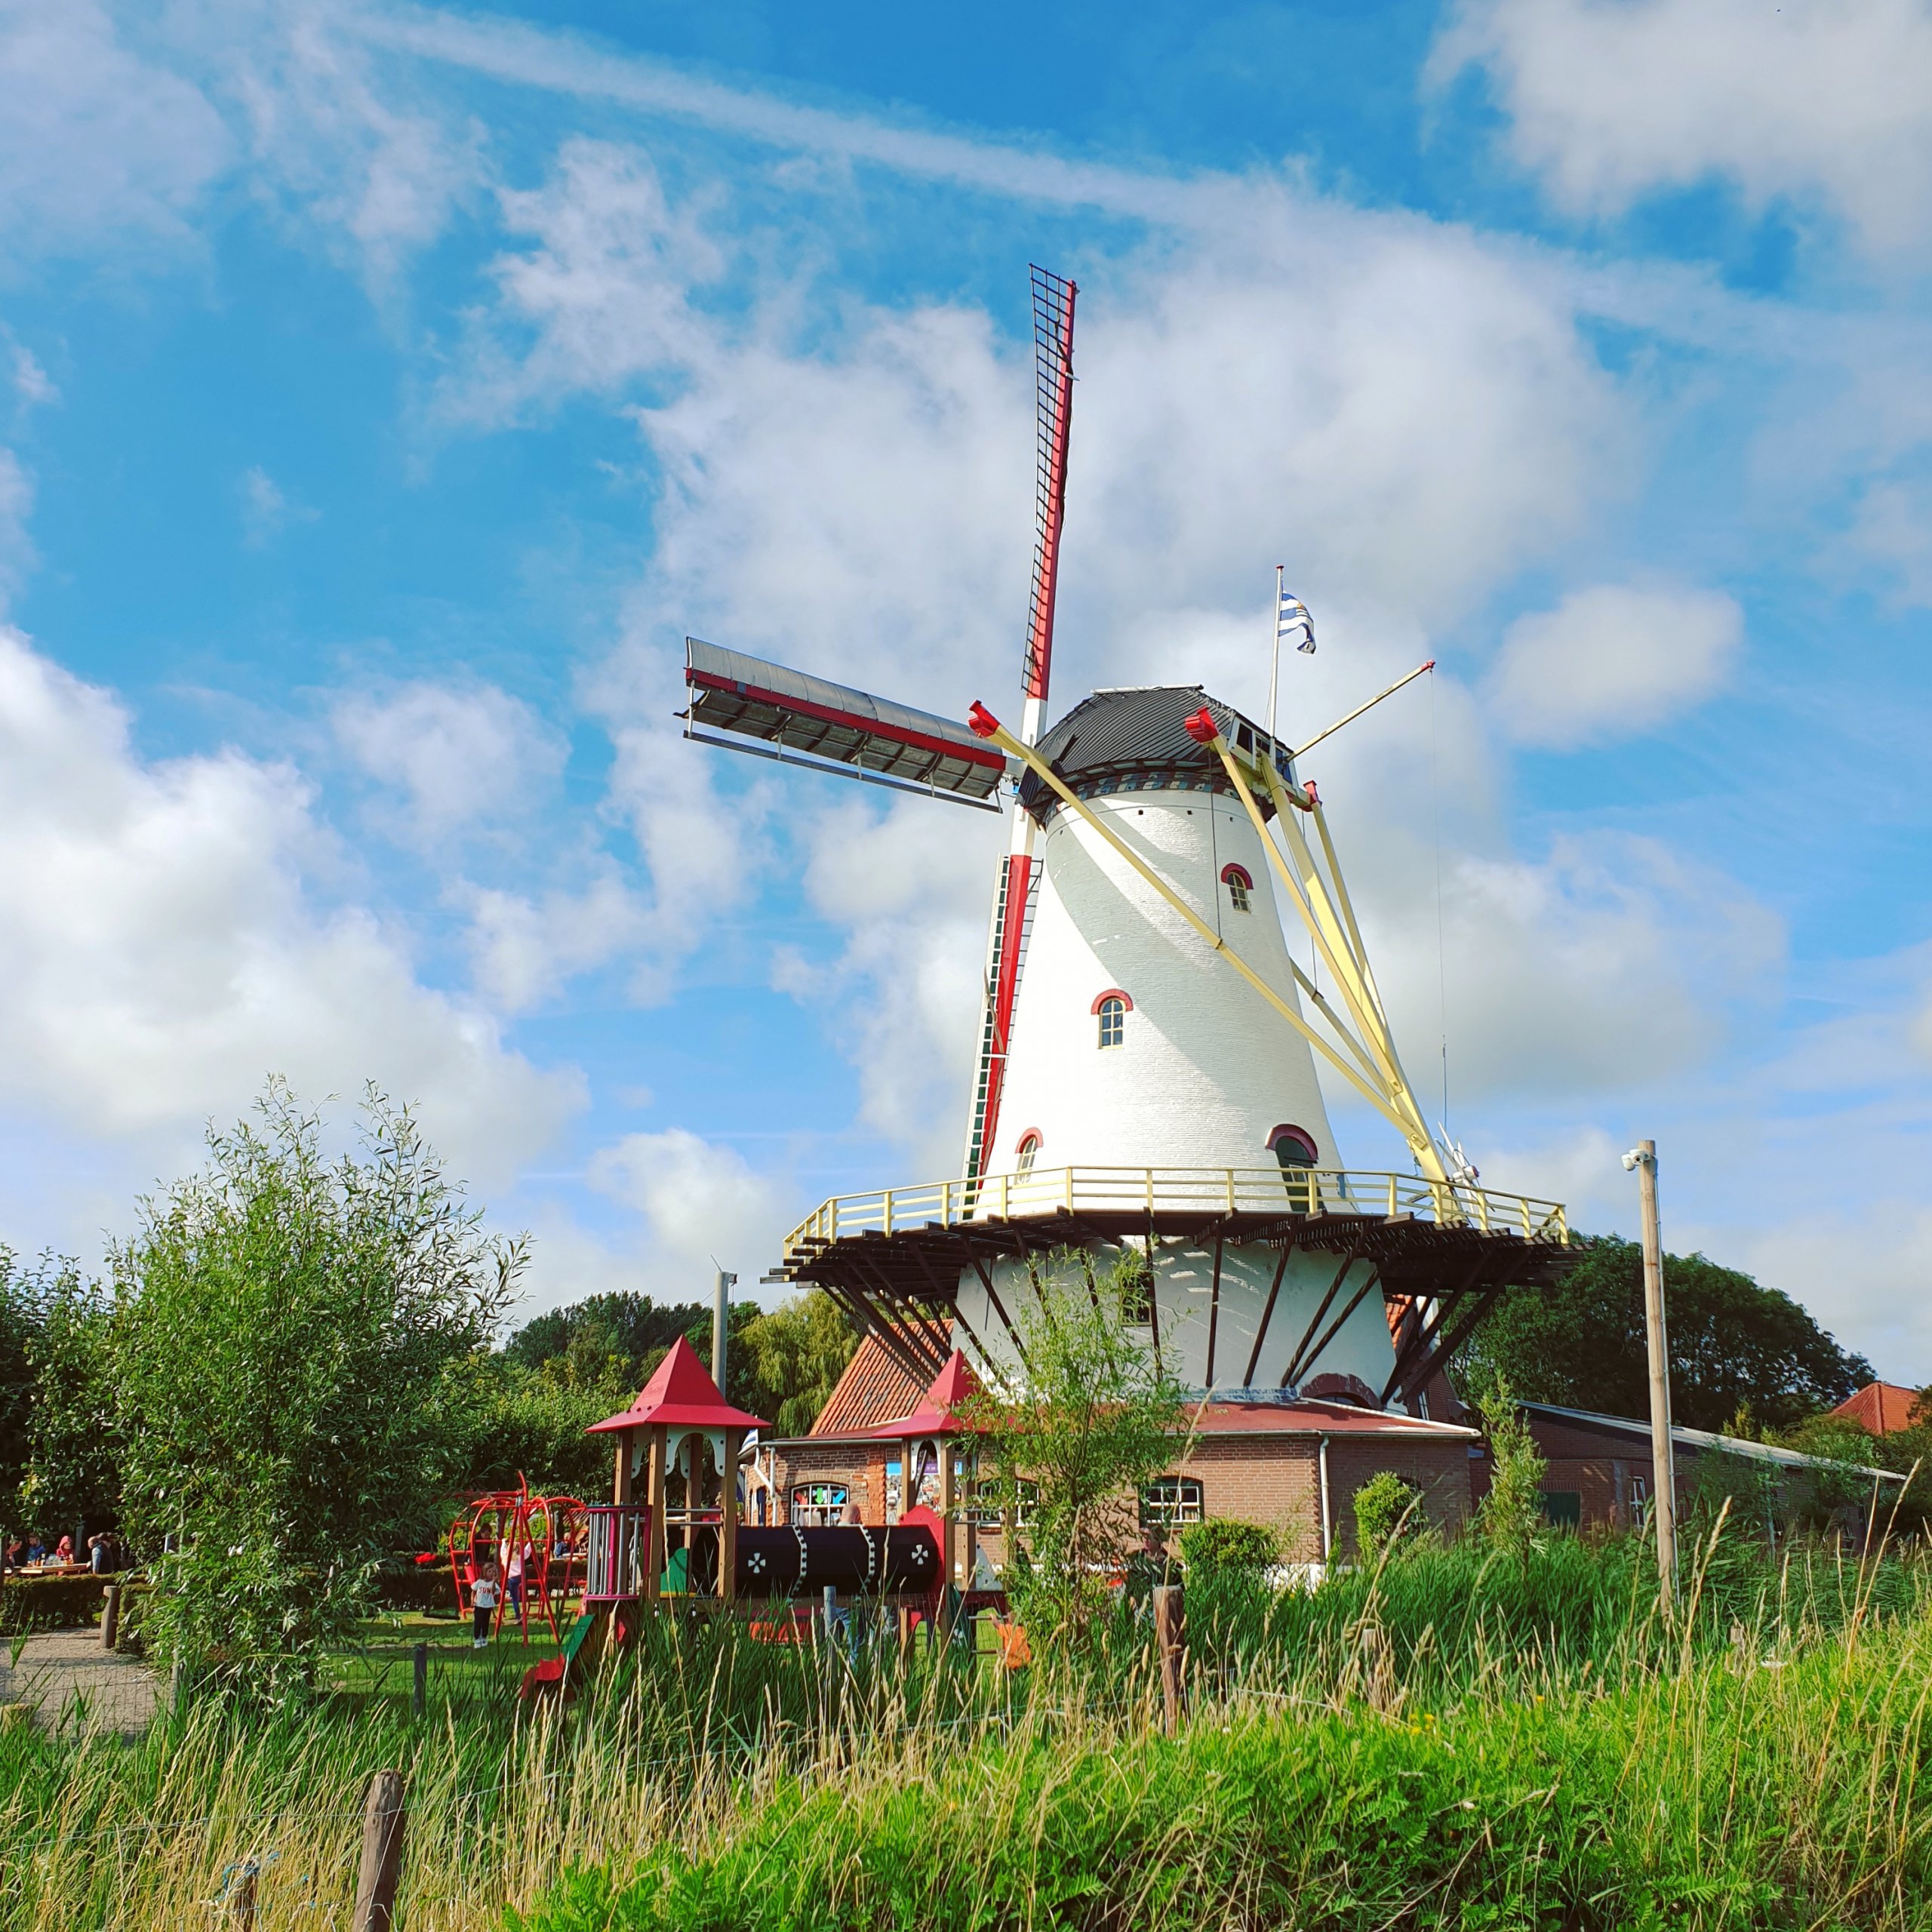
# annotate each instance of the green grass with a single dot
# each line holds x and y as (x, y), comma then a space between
(1452, 1740)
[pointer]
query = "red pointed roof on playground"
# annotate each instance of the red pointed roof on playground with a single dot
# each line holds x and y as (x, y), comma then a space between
(682, 1395)
(937, 1414)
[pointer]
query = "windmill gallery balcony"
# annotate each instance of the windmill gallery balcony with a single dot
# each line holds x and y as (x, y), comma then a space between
(1261, 1255)
(1269, 1193)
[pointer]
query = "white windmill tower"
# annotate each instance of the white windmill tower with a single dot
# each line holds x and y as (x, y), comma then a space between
(1147, 1066)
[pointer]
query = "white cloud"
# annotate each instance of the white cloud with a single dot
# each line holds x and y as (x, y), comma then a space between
(17, 551)
(603, 295)
(1892, 525)
(523, 950)
(31, 384)
(450, 758)
(160, 954)
(348, 140)
(1611, 659)
(266, 510)
(704, 851)
(697, 1199)
(1826, 102)
(911, 888)
(93, 135)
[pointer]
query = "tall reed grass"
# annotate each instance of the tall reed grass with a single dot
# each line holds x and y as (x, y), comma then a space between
(1448, 1740)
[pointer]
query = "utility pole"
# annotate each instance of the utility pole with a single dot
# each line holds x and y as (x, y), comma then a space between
(1663, 1460)
(721, 1322)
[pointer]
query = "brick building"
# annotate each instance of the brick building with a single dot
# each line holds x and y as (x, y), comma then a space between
(1600, 1473)
(1293, 1465)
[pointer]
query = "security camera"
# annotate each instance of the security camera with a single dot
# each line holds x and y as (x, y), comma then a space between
(1630, 1160)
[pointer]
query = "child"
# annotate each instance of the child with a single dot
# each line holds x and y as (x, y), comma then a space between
(483, 1600)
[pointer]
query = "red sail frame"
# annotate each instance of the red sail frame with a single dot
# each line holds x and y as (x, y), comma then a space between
(1053, 299)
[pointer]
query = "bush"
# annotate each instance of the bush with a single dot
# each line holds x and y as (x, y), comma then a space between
(1226, 1544)
(1386, 1507)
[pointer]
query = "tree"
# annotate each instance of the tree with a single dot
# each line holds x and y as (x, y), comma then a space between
(793, 1357)
(1510, 1516)
(285, 1329)
(19, 1327)
(1385, 1507)
(75, 1432)
(1734, 1343)
(1096, 1420)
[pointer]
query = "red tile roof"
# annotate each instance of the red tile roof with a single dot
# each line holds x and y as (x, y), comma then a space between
(936, 1414)
(682, 1394)
(1310, 1416)
(874, 1388)
(1880, 1408)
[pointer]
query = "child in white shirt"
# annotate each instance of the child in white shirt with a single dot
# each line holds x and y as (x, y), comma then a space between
(483, 1597)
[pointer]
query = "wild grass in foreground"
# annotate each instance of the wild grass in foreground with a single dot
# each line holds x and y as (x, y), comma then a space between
(1454, 1739)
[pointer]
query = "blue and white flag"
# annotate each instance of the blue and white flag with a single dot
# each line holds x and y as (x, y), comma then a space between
(1292, 618)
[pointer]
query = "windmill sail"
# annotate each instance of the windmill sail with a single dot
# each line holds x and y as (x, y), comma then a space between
(832, 727)
(1053, 299)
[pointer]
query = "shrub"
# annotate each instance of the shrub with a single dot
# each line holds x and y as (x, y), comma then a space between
(1385, 1507)
(1225, 1544)
(1512, 1515)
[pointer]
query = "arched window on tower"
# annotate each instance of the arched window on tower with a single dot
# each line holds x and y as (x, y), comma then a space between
(1112, 1012)
(1028, 1151)
(1294, 1149)
(1293, 1146)
(1240, 883)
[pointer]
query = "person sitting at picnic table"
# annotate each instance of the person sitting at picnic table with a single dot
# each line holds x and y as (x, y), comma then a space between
(14, 1554)
(97, 1553)
(36, 1549)
(63, 1552)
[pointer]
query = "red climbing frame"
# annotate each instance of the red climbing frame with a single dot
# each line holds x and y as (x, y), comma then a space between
(551, 1531)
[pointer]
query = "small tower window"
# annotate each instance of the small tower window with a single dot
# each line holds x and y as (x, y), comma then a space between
(1111, 1009)
(1239, 885)
(1293, 1146)
(1029, 1149)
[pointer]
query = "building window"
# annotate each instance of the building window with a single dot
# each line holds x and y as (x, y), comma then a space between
(1563, 1508)
(1239, 885)
(1113, 1023)
(1171, 1499)
(819, 1504)
(1293, 1146)
(1029, 1149)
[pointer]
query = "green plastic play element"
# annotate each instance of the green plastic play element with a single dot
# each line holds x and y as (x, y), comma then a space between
(574, 1638)
(677, 1574)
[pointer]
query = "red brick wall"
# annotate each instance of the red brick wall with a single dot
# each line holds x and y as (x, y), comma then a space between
(1272, 1480)
(1439, 1469)
(1276, 1480)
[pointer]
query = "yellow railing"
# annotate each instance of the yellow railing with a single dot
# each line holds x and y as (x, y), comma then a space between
(1271, 1190)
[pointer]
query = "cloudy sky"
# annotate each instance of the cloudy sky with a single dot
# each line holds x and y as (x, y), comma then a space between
(385, 391)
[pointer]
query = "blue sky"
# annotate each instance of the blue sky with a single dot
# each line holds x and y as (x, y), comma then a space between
(385, 392)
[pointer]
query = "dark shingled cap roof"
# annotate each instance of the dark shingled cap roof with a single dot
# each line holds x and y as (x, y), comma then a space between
(1143, 733)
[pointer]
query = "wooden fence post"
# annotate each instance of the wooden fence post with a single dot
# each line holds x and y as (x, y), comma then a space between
(110, 1618)
(383, 1818)
(1170, 1640)
(419, 1695)
(241, 1906)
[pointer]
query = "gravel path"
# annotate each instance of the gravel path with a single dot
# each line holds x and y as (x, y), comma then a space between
(65, 1674)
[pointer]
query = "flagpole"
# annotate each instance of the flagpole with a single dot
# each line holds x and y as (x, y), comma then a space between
(1274, 657)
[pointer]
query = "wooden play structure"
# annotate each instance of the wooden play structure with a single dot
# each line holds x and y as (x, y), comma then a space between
(683, 1540)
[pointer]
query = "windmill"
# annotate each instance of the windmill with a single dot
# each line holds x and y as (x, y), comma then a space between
(1146, 1069)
